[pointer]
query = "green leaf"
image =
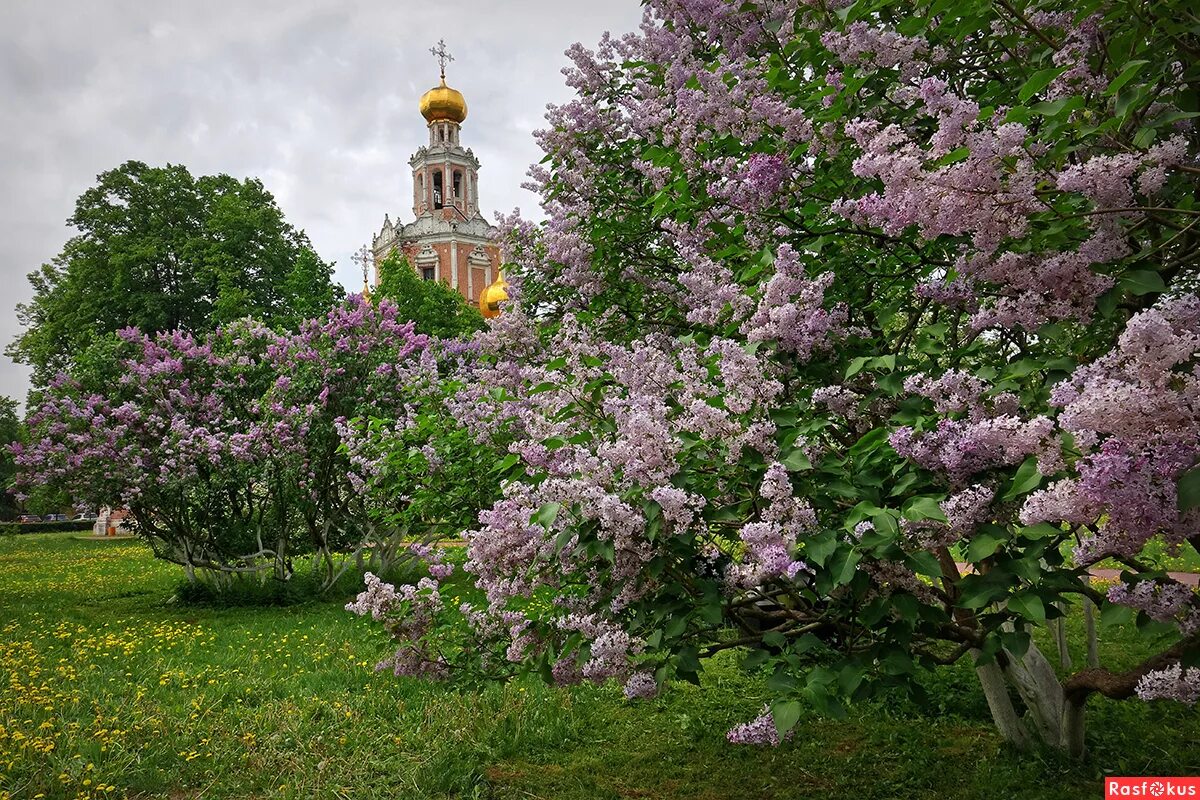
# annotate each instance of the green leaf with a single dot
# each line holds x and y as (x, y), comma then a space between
(1029, 606)
(1040, 531)
(1112, 614)
(825, 702)
(774, 639)
(903, 484)
(711, 610)
(891, 383)
(688, 664)
(755, 659)
(1017, 114)
(856, 366)
(546, 514)
(985, 543)
(1038, 81)
(1189, 490)
(922, 508)
(924, 563)
(1016, 642)
(1174, 116)
(860, 512)
(982, 590)
(1144, 138)
(884, 362)
(1128, 100)
(1142, 281)
(1055, 108)
(796, 461)
(870, 441)
(1026, 480)
(820, 547)
(907, 606)
(897, 662)
(850, 678)
(953, 157)
(1131, 69)
(786, 714)
(844, 566)
(564, 536)
(782, 681)
(885, 524)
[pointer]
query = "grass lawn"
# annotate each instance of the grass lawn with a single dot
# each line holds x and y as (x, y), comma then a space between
(109, 689)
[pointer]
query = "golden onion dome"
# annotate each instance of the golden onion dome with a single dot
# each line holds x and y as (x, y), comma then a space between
(442, 103)
(490, 298)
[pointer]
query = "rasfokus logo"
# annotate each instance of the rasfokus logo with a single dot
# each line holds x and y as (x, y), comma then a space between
(1151, 787)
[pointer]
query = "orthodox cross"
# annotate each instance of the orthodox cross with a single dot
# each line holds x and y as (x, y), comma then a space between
(364, 259)
(443, 55)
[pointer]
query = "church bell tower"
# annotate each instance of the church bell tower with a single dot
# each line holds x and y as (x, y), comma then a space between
(449, 241)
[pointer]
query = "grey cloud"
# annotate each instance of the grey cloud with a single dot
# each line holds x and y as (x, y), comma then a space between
(316, 98)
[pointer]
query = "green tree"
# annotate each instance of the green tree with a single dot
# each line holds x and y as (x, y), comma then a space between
(158, 249)
(10, 431)
(436, 309)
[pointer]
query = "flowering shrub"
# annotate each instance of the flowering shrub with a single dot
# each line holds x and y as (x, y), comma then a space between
(887, 289)
(237, 453)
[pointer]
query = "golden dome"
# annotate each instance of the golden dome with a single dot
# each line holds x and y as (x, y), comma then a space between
(489, 298)
(443, 103)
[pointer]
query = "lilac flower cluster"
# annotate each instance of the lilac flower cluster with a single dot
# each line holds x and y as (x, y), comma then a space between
(1165, 601)
(837, 399)
(410, 614)
(770, 544)
(961, 449)
(756, 186)
(434, 557)
(1170, 683)
(1134, 413)
(967, 509)
(641, 686)
(759, 731)
(894, 576)
(791, 310)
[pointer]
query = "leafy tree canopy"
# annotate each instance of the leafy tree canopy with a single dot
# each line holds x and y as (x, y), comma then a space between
(158, 249)
(10, 431)
(436, 309)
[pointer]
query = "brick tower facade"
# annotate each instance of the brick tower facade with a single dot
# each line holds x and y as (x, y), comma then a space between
(449, 241)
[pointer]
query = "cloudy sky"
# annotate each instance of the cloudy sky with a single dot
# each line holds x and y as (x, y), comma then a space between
(317, 98)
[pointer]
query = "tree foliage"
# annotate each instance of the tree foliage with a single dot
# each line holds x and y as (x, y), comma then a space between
(856, 333)
(160, 250)
(434, 307)
(10, 431)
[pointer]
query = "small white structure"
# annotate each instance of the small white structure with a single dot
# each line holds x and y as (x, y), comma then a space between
(111, 522)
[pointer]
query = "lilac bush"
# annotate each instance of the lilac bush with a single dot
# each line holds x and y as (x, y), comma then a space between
(831, 298)
(237, 453)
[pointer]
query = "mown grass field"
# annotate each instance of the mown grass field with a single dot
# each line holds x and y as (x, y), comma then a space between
(110, 689)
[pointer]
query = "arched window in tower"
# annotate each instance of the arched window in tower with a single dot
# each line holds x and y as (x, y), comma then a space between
(437, 188)
(458, 185)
